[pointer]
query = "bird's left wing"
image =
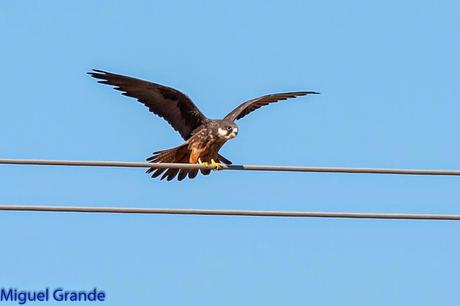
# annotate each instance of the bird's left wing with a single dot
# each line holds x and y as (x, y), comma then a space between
(251, 105)
(168, 103)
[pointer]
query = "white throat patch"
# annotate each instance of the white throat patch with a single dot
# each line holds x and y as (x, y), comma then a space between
(222, 132)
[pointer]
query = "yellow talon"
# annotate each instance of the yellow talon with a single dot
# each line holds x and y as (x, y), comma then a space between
(217, 166)
(202, 163)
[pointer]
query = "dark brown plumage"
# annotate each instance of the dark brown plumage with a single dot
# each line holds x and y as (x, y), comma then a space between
(247, 107)
(166, 102)
(203, 137)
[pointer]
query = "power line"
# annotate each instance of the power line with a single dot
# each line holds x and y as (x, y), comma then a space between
(219, 212)
(226, 167)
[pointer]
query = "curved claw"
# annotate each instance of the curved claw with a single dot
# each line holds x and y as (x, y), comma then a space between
(216, 165)
(202, 163)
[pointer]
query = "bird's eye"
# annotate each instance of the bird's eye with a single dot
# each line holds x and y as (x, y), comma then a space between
(229, 128)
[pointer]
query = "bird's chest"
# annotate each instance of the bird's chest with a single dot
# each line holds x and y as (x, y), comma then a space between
(206, 140)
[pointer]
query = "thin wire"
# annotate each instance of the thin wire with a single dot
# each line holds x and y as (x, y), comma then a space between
(225, 167)
(218, 212)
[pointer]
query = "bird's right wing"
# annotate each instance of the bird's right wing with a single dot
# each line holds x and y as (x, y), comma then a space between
(251, 105)
(168, 103)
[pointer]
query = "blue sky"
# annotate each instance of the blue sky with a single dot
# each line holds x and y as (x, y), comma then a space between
(388, 73)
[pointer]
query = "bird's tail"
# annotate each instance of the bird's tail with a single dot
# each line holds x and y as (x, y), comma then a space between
(180, 154)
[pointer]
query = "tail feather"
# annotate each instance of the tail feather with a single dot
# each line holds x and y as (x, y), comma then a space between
(205, 171)
(157, 172)
(182, 174)
(170, 174)
(192, 173)
(180, 154)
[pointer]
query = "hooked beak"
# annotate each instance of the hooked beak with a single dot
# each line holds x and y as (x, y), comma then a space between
(234, 133)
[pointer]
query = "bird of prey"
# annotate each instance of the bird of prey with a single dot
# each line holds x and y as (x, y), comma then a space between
(203, 136)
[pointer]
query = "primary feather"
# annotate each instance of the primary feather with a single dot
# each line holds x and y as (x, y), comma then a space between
(168, 103)
(251, 105)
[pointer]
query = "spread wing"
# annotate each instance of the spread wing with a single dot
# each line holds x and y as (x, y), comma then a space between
(251, 105)
(168, 103)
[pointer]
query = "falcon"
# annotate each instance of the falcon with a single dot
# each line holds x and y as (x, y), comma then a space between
(203, 136)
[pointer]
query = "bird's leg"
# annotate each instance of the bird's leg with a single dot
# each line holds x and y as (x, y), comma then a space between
(202, 163)
(216, 165)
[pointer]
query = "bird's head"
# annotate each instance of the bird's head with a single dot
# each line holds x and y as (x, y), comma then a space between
(227, 129)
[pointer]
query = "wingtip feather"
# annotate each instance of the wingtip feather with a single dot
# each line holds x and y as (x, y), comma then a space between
(98, 74)
(303, 93)
(99, 71)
